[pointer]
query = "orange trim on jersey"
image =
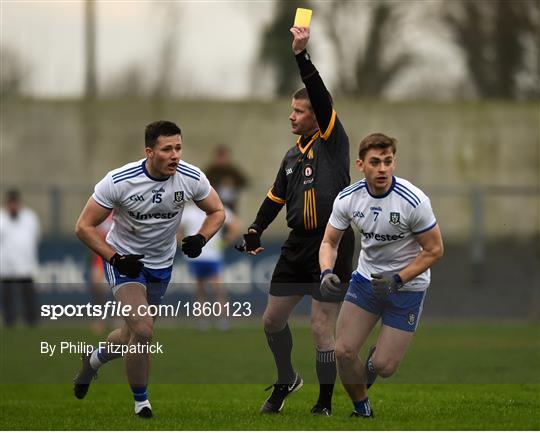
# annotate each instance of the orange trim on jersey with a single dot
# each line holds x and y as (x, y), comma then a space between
(303, 148)
(314, 209)
(275, 198)
(308, 207)
(305, 210)
(310, 210)
(330, 126)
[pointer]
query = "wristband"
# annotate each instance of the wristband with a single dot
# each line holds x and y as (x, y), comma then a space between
(398, 280)
(326, 272)
(255, 227)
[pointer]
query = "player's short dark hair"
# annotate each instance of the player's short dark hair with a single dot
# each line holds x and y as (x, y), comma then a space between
(159, 127)
(303, 94)
(376, 140)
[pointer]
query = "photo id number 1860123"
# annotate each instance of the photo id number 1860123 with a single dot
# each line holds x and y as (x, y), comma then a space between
(215, 309)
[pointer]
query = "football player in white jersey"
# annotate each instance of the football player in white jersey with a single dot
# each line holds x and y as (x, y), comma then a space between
(148, 198)
(400, 242)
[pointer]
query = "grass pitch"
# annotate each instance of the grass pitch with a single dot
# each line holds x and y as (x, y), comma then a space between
(459, 376)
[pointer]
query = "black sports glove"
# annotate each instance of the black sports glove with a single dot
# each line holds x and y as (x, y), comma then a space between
(330, 284)
(192, 245)
(386, 284)
(129, 265)
(252, 241)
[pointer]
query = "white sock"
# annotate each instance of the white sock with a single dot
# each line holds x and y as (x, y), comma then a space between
(139, 405)
(95, 363)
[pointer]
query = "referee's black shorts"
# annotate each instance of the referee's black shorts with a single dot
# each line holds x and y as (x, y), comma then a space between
(297, 271)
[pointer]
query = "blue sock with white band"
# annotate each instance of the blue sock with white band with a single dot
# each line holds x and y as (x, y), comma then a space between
(98, 358)
(362, 407)
(139, 393)
(140, 396)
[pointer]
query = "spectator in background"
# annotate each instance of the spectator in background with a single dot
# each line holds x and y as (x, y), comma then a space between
(19, 237)
(226, 178)
(207, 269)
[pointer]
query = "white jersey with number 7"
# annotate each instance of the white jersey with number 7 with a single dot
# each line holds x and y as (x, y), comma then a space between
(388, 224)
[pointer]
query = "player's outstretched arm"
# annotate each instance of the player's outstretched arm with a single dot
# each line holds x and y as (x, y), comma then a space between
(329, 247)
(86, 230)
(215, 217)
(330, 282)
(432, 251)
(215, 214)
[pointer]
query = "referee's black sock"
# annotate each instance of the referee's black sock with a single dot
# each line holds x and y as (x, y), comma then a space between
(326, 373)
(280, 344)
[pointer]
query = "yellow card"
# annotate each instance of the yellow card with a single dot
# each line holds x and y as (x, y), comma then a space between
(303, 17)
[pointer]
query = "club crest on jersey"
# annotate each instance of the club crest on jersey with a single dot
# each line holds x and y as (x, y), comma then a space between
(394, 218)
(179, 196)
(412, 319)
(308, 170)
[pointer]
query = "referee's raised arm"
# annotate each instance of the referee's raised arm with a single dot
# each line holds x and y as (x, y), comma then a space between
(321, 102)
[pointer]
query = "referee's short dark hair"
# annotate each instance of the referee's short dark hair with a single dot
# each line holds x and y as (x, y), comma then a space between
(157, 128)
(376, 140)
(303, 94)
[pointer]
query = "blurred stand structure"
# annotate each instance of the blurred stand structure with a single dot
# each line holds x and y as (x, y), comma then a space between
(479, 162)
(477, 154)
(19, 238)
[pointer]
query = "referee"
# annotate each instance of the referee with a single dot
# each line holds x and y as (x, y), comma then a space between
(311, 175)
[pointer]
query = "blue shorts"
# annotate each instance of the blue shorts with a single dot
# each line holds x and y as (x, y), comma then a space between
(205, 268)
(155, 281)
(399, 310)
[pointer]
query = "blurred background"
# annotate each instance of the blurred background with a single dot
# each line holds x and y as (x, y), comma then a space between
(456, 82)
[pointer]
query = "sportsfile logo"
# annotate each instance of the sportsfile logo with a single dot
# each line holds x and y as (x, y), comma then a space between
(383, 237)
(149, 216)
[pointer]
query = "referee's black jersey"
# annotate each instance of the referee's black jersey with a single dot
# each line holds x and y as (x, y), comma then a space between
(311, 175)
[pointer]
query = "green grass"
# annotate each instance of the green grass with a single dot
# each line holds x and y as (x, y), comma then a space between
(455, 377)
(234, 407)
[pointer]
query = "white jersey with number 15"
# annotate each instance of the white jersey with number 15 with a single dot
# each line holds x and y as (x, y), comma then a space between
(147, 211)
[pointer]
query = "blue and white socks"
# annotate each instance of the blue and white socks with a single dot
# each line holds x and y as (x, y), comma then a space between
(140, 395)
(98, 358)
(363, 407)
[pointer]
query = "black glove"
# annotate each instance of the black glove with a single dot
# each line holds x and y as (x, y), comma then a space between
(192, 245)
(330, 284)
(386, 284)
(129, 265)
(252, 240)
